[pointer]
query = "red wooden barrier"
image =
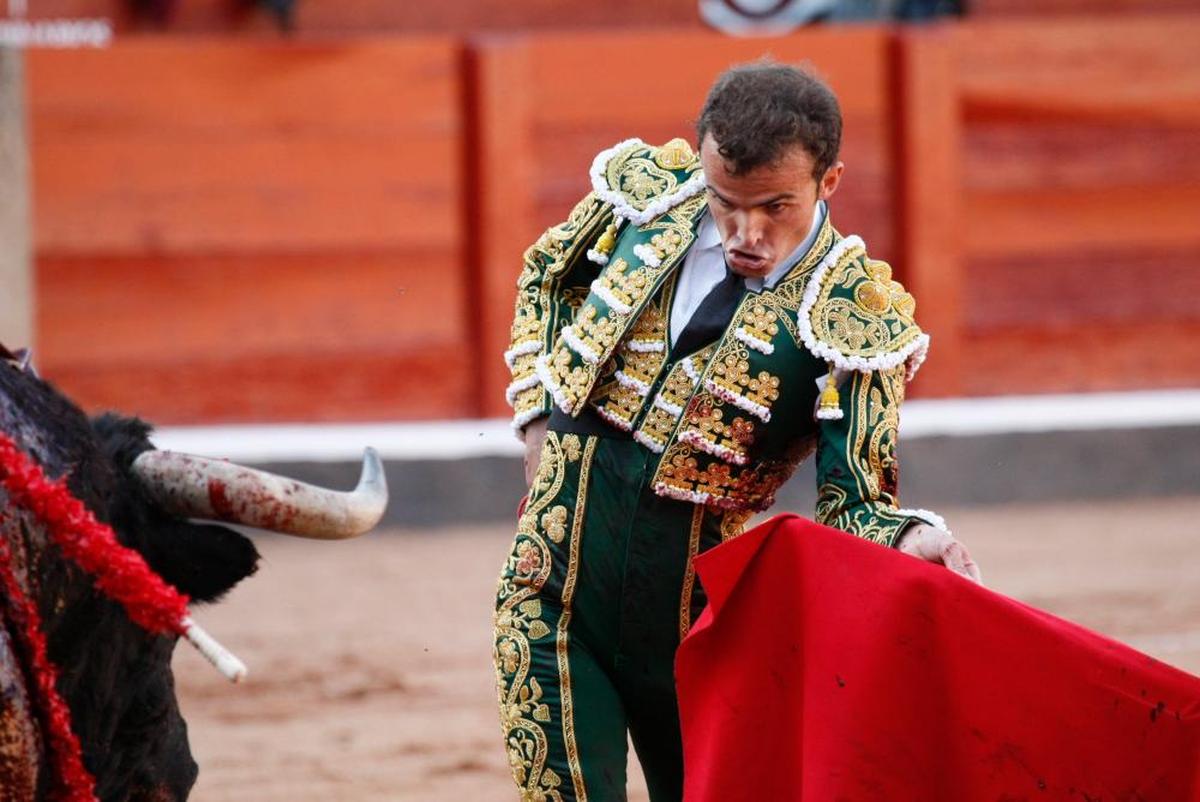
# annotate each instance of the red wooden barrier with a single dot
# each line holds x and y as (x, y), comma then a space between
(1079, 160)
(233, 232)
(247, 231)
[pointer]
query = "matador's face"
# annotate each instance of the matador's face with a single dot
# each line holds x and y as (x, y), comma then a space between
(765, 213)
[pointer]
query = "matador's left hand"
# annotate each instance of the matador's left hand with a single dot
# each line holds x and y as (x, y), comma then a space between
(933, 544)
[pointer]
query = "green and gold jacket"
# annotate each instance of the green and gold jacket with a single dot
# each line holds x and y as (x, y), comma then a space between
(818, 362)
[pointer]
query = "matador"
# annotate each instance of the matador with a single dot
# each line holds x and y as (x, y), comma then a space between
(693, 331)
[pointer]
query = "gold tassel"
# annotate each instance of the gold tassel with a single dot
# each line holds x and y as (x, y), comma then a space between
(830, 407)
(608, 240)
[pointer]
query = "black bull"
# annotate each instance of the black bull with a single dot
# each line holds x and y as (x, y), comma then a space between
(115, 677)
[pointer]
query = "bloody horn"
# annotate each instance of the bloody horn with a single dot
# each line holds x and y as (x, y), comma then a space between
(218, 490)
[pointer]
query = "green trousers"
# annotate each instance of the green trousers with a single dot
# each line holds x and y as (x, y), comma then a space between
(593, 600)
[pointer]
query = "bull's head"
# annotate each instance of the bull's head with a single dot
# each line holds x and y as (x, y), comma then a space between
(115, 677)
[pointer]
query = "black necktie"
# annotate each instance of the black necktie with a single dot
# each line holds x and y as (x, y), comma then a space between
(711, 318)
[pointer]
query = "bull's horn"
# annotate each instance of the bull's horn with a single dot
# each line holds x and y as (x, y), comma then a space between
(217, 490)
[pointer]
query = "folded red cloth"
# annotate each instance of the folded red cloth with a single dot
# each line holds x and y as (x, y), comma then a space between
(830, 669)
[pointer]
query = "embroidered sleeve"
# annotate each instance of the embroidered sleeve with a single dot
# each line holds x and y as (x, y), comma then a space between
(857, 471)
(553, 282)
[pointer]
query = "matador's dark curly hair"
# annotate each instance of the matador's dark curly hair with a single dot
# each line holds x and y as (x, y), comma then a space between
(756, 111)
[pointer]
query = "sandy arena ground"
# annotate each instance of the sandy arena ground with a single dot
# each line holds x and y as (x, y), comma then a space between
(371, 674)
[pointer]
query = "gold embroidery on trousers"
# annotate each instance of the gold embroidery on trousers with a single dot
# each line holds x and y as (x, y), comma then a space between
(689, 575)
(518, 622)
(562, 645)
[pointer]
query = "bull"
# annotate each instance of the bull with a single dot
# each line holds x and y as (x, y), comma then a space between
(115, 677)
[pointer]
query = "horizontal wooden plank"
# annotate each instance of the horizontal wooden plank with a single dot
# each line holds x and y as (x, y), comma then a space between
(570, 88)
(1047, 8)
(1108, 68)
(355, 385)
(131, 311)
(1135, 51)
(1082, 288)
(201, 146)
(1022, 223)
(122, 196)
(1039, 155)
(473, 16)
(1040, 359)
(1158, 104)
(370, 16)
(142, 85)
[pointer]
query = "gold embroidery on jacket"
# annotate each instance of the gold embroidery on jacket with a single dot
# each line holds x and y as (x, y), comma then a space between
(543, 263)
(640, 179)
(733, 523)
(666, 408)
(627, 286)
(859, 519)
(597, 333)
(869, 508)
(682, 471)
(666, 244)
(759, 321)
(570, 379)
(877, 416)
(731, 372)
(641, 357)
(708, 431)
(877, 318)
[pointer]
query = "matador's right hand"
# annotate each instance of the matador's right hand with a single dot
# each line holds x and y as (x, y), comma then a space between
(939, 546)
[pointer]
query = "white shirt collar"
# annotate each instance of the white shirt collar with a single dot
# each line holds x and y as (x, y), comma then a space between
(708, 237)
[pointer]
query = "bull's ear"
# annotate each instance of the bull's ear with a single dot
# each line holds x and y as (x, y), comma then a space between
(202, 560)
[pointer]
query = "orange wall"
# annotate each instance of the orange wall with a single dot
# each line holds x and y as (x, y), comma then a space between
(332, 231)
(1081, 195)
(231, 231)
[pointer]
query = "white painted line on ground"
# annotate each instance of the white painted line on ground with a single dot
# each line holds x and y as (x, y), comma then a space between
(446, 440)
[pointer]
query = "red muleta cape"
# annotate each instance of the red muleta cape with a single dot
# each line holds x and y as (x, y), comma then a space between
(830, 669)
